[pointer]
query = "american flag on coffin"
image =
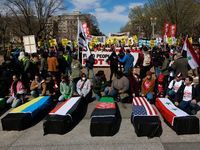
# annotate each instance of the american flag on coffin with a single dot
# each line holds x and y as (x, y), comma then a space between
(141, 107)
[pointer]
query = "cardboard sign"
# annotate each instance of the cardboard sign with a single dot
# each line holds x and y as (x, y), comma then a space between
(152, 43)
(114, 40)
(130, 42)
(109, 41)
(64, 42)
(41, 44)
(123, 41)
(29, 44)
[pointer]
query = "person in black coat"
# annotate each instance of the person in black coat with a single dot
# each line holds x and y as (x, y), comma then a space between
(158, 59)
(90, 61)
(54, 85)
(62, 62)
(113, 59)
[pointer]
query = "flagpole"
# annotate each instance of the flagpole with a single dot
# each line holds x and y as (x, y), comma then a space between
(77, 37)
(184, 44)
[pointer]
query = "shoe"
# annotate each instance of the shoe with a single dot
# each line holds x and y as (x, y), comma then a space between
(193, 112)
(196, 77)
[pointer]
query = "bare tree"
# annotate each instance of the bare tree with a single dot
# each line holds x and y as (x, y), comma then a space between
(31, 16)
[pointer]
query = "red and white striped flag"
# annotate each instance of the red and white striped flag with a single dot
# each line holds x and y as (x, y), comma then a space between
(191, 55)
(141, 107)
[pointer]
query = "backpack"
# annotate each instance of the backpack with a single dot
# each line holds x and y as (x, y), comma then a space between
(147, 60)
(92, 60)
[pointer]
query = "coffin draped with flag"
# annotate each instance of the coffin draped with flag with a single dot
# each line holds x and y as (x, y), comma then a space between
(145, 118)
(22, 116)
(2, 103)
(180, 121)
(60, 119)
(103, 118)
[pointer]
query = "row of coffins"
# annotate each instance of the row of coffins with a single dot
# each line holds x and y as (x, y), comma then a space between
(144, 117)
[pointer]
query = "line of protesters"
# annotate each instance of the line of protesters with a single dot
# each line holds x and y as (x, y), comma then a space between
(125, 85)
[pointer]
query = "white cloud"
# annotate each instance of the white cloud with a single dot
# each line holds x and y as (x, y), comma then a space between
(82, 5)
(132, 5)
(116, 15)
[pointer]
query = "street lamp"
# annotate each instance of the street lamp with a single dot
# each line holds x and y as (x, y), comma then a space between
(153, 22)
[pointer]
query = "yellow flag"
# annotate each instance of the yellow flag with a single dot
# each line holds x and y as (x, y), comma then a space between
(190, 39)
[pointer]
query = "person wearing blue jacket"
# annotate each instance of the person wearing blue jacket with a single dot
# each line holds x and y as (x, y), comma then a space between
(128, 60)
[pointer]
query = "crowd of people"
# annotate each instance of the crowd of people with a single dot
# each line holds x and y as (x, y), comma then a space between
(28, 73)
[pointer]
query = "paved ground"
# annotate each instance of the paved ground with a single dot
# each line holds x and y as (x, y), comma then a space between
(79, 136)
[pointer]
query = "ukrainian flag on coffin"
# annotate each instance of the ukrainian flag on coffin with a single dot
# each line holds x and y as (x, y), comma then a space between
(34, 106)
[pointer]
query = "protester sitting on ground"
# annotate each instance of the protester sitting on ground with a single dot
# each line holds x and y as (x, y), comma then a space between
(127, 60)
(38, 86)
(160, 86)
(113, 59)
(148, 85)
(54, 87)
(173, 87)
(66, 88)
(120, 86)
(134, 82)
(145, 62)
(76, 71)
(84, 88)
(17, 90)
(188, 95)
(99, 85)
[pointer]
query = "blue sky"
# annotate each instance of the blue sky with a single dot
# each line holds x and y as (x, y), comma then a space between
(111, 14)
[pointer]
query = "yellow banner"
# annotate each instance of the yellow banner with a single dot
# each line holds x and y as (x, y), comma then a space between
(152, 43)
(123, 41)
(114, 40)
(125, 37)
(64, 42)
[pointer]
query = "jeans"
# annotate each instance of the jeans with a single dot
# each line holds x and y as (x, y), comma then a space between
(187, 104)
(158, 72)
(98, 95)
(114, 94)
(68, 69)
(61, 98)
(35, 93)
(88, 72)
(149, 96)
(172, 94)
(16, 103)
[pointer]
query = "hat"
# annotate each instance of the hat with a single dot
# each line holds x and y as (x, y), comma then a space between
(177, 50)
(161, 78)
(179, 75)
(149, 73)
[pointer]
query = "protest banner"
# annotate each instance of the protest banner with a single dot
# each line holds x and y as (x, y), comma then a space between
(123, 41)
(178, 42)
(135, 39)
(152, 43)
(130, 41)
(119, 35)
(101, 57)
(165, 31)
(114, 40)
(29, 44)
(64, 42)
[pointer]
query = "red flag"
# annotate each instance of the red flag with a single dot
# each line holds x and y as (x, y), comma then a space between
(172, 31)
(88, 30)
(165, 30)
(84, 26)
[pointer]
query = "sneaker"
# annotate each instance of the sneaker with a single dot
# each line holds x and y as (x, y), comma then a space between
(196, 78)
(193, 112)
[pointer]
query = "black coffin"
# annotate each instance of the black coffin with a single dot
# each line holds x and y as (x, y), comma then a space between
(61, 124)
(103, 122)
(149, 126)
(185, 125)
(16, 121)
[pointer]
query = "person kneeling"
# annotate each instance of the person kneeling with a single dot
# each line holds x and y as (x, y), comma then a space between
(84, 89)
(120, 86)
(38, 86)
(148, 85)
(188, 95)
(66, 88)
(17, 90)
(54, 85)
